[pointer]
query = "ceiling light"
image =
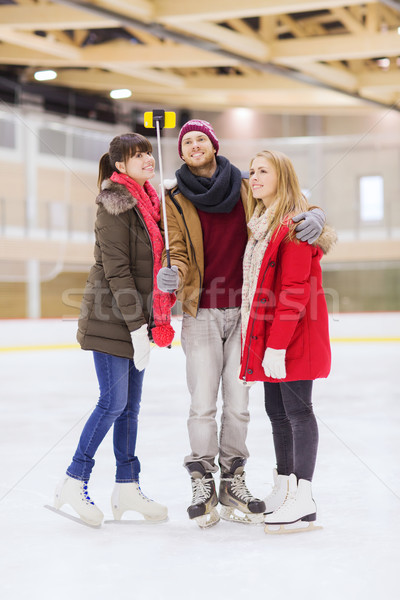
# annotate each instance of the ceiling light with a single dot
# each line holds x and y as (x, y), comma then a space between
(117, 94)
(242, 112)
(384, 63)
(45, 75)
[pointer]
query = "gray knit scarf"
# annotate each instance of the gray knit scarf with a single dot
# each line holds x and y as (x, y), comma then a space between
(217, 194)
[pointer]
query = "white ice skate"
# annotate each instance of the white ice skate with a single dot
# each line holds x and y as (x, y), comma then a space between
(74, 493)
(204, 501)
(298, 512)
(129, 497)
(278, 494)
(237, 503)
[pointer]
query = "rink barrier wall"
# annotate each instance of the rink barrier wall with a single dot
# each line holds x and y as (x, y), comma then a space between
(338, 340)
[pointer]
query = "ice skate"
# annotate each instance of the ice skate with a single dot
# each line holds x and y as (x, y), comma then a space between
(237, 503)
(129, 497)
(204, 501)
(298, 512)
(74, 492)
(278, 494)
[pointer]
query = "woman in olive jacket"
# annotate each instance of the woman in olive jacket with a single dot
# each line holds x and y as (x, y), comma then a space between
(285, 333)
(121, 307)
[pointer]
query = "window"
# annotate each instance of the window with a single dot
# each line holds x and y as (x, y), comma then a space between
(7, 134)
(371, 198)
(52, 141)
(89, 146)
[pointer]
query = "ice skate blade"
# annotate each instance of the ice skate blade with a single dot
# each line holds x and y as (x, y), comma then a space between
(135, 521)
(71, 517)
(298, 527)
(228, 514)
(207, 520)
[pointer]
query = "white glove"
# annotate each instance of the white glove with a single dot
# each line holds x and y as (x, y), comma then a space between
(141, 347)
(312, 224)
(168, 279)
(274, 363)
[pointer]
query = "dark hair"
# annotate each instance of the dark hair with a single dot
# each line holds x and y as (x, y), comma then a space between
(122, 147)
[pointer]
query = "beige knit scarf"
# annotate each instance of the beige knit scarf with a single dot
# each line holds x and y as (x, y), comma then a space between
(259, 226)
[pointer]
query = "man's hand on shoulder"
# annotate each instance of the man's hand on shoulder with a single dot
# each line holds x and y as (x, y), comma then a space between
(311, 225)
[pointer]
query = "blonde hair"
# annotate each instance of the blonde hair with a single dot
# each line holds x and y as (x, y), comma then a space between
(289, 197)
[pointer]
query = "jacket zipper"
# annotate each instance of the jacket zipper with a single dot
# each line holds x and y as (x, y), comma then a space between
(179, 208)
(252, 327)
(152, 253)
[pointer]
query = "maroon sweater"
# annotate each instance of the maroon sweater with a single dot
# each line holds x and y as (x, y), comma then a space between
(224, 241)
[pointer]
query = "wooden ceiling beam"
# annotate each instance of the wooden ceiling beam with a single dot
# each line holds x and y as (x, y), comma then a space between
(372, 20)
(258, 82)
(103, 81)
(242, 27)
(267, 30)
(39, 43)
(167, 56)
(137, 9)
(51, 17)
(331, 75)
(390, 17)
(348, 20)
(245, 45)
(175, 11)
(144, 36)
(20, 56)
(161, 78)
(293, 26)
(335, 47)
(388, 81)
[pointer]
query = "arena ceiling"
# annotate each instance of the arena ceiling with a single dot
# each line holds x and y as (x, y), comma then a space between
(294, 56)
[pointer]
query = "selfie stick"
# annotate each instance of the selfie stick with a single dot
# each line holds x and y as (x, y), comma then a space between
(159, 121)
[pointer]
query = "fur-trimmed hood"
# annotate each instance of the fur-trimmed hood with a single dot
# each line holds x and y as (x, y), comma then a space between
(115, 198)
(327, 239)
(169, 184)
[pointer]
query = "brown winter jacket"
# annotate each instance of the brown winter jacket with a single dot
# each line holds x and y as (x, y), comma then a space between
(186, 245)
(118, 293)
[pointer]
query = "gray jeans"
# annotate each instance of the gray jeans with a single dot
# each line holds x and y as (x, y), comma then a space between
(211, 343)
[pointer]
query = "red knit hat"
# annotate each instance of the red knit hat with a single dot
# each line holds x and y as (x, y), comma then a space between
(198, 125)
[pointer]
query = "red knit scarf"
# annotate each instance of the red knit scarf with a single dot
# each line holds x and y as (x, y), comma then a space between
(149, 205)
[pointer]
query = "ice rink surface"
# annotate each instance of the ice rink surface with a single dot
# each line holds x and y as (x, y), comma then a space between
(48, 389)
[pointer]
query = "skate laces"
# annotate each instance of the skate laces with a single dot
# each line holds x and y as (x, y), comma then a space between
(288, 502)
(275, 491)
(86, 493)
(143, 495)
(239, 488)
(201, 490)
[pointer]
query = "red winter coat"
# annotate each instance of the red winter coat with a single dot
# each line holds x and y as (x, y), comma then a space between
(288, 312)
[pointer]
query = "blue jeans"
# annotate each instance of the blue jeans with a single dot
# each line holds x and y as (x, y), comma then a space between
(294, 426)
(119, 403)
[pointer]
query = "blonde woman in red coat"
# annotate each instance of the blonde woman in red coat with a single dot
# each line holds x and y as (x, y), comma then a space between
(285, 337)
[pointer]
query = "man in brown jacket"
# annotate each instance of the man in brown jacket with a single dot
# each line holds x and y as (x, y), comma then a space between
(207, 226)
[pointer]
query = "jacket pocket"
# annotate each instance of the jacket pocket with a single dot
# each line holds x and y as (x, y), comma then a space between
(296, 346)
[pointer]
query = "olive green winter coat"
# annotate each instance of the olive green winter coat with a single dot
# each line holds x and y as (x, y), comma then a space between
(118, 293)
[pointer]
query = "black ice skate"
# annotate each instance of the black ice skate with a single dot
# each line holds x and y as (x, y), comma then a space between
(204, 499)
(238, 504)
